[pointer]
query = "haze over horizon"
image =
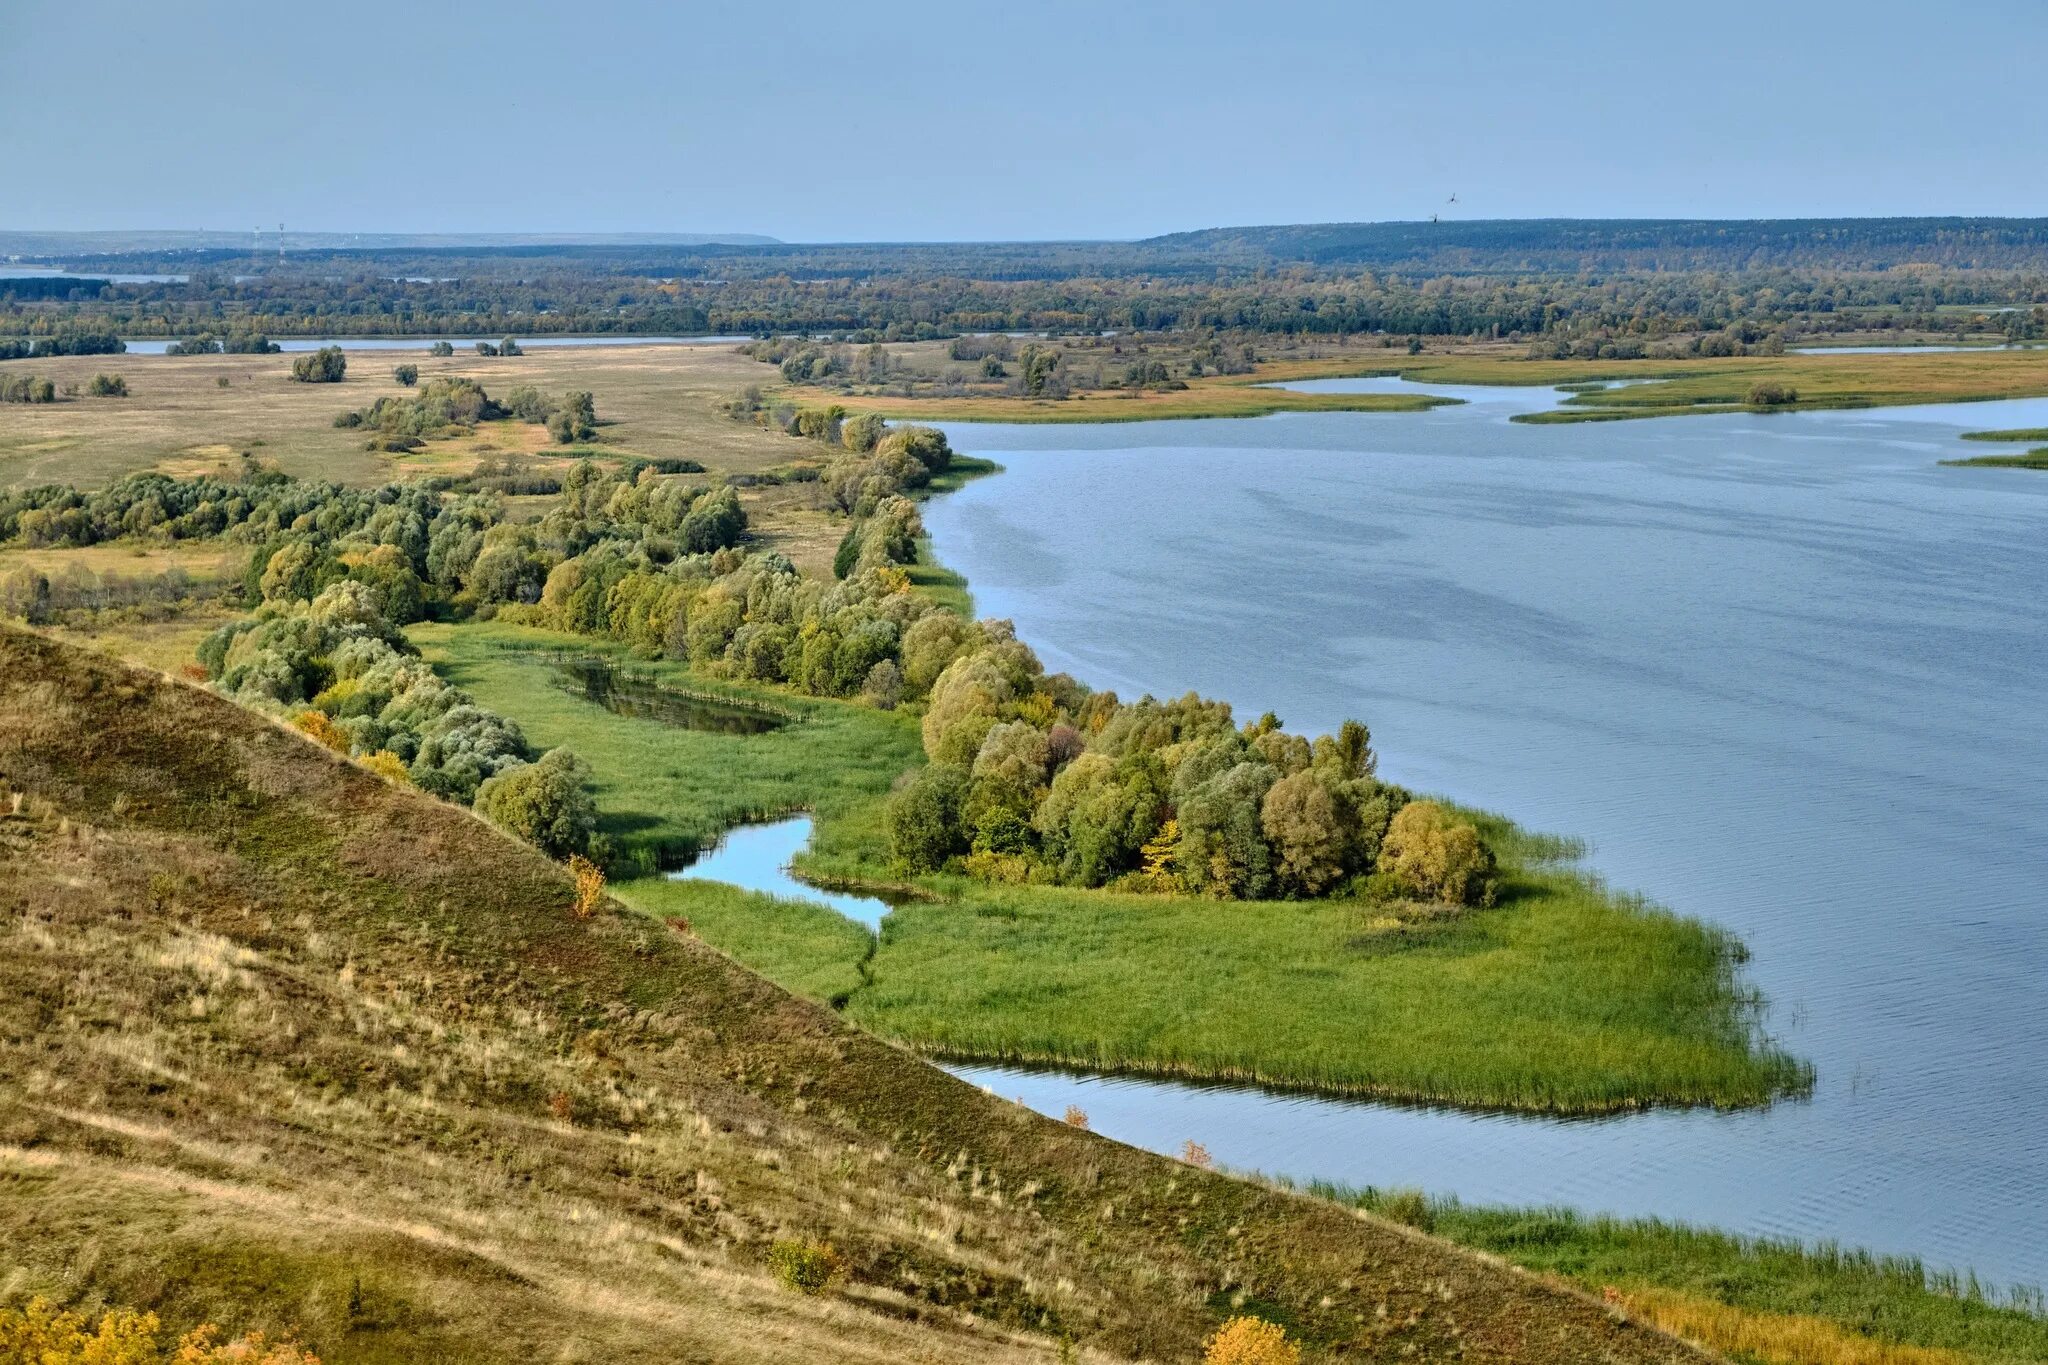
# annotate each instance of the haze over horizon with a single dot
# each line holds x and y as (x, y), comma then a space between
(1063, 123)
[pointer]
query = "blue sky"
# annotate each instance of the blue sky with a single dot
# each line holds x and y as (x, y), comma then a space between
(870, 120)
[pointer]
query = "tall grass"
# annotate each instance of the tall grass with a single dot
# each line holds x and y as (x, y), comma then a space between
(1766, 1299)
(1568, 998)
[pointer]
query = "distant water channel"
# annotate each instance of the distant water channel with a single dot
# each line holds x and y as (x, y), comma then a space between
(1783, 670)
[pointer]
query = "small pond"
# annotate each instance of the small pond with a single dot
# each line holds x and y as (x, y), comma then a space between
(597, 680)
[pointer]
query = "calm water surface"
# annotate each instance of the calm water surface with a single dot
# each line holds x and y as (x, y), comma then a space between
(1782, 670)
(757, 857)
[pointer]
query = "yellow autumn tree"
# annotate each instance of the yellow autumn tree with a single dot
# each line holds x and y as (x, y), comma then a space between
(1159, 854)
(1251, 1341)
(320, 729)
(388, 766)
(1437, 856)
(47, 1335)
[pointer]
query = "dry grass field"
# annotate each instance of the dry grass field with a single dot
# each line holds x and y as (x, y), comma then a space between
(285, 1047)
(652, 400)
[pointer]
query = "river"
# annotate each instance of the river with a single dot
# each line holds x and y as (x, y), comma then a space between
(1783, 670)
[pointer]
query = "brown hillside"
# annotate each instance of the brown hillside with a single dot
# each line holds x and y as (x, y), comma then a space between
(276, 1036)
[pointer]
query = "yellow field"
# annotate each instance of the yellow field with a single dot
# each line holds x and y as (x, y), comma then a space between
(651, 400)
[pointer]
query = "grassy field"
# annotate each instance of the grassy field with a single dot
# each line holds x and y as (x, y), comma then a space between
(651, 400)
(285, 1047)
(665, 791)
(1757, 1299)
(1567, 998)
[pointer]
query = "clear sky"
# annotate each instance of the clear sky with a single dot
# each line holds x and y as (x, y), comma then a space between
(1006, 119)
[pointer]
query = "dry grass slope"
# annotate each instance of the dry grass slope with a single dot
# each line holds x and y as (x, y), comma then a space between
(282, 1045)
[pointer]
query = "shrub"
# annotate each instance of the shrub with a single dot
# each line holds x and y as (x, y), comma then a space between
(107, 386)
(388, 766)
(321, 730)
(1770, 395)
(545, 803)
(807, 1267)
(1250, 1341)
(925, 823)
(324, 366)
(589, 884)
(1437, 856)
(1076, 1117)
(407, 375)
(441, 348)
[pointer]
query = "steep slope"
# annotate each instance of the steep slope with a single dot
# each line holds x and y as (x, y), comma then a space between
(281, 1044)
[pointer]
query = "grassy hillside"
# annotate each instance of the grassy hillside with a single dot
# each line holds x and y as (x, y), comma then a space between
(281, 1045)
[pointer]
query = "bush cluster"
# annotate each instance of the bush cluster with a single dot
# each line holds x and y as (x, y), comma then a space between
(1032, 778)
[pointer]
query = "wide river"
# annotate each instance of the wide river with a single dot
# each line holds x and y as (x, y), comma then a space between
(1783, 671)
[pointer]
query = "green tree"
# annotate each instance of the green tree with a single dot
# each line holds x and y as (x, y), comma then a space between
(325, 366)
(1311, 825)
(546, 803)
(925, 817)
(407, 375)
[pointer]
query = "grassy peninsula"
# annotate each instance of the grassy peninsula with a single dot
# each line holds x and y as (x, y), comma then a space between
(1565, 998)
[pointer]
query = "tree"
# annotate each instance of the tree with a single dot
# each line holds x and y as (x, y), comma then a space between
(545, 803)
(324, 366)
(108, 386)
(407, 375)
(1309, 823)
(861, 432)
(1436, 856)
(925, 817)
(441, 348)
(1223, 851)
(575, 420)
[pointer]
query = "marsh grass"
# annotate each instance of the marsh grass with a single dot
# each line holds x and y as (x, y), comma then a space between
(2014, 435)
(1768, 1299)
(2033, 459)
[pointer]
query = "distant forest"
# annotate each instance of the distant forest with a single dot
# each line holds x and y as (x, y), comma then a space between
(1516, 279)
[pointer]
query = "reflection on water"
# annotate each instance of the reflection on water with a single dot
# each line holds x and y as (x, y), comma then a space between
(757, 857)
(596, 679)
(1779, 668)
